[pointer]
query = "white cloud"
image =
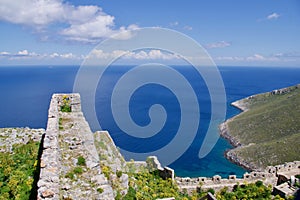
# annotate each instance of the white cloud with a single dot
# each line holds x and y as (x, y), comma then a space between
(253, 58)
(54, 55)
(80, 23)
(4, 53)
(189, 28)
(124, 33)
(172, 24)
(98, 27)
(68, 56)
(230, 58)
(273, 16)
(25, 54)
(139, 55)
(288, 55)
(220, 44)
(38, 13)
(100, 54)
(154, 54)
(256, 57)
(81, 14)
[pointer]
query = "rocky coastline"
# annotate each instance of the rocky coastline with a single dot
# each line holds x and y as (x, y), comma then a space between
(225, 133)
(230, 154)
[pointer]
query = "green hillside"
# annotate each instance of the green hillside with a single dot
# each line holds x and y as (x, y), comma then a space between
(270, 128)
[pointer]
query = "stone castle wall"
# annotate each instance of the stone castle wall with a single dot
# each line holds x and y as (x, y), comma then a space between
(290, 166)
(153, 164)
(269, 177)
(63, 143)
(48, 183)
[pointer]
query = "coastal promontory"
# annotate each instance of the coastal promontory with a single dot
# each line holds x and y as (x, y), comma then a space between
(267, 132)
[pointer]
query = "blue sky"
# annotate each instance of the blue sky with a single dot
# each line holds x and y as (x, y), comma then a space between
(239, 33)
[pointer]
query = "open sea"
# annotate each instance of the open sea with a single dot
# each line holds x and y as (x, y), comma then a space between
(26, 92)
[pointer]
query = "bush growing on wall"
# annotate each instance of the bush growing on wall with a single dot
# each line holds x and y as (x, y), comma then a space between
(65, 107)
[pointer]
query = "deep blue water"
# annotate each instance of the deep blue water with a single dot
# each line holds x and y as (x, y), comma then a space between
(26, 92)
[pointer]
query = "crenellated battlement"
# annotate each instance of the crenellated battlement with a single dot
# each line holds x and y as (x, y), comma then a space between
(269, 177)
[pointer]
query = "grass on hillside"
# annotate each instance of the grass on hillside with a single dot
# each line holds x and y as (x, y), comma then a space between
(271, 153)
(17, 171)
(271, 126)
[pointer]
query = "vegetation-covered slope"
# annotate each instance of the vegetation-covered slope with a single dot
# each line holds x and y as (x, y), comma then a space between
(269, 130)
(17, 171)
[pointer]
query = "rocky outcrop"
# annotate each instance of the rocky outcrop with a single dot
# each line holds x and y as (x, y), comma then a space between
(241, 104)
(230, 154)
(11, 136)
(284, 90)
(233, 157)
(224, 132)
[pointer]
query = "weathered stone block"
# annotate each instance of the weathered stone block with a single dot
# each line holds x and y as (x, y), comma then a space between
(47, 193)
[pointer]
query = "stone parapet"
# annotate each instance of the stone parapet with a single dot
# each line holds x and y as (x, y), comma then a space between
(48, 184)
(68, 137)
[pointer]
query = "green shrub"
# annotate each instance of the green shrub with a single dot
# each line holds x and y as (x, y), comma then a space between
(78, 170)
(131, 194)
(212, 191)
(17, 170)
(259, 183)
(66, 104)
(106, 171)
(118, 196)
(248, 191)
(100, 190)
(80, 161)
(70, 175)
(119, 174)
(60, 124)
(65, 108)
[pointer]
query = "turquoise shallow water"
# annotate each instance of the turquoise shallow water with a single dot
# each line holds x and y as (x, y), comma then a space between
(26, 92)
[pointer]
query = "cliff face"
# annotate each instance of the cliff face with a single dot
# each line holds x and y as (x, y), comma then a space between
(267, 132)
